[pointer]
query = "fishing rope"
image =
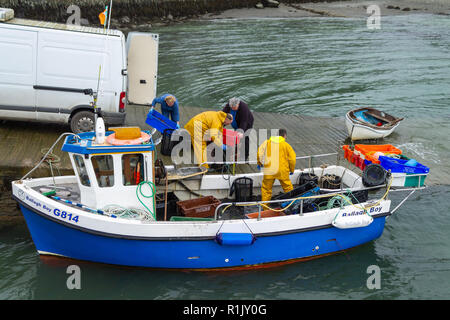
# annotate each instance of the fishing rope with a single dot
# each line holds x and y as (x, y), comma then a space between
(48, 152)
(126, 213)
(140, 193)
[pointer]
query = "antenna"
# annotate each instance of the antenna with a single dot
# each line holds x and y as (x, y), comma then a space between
(99, 125)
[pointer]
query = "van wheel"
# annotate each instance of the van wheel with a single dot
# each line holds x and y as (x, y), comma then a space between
(82, 121)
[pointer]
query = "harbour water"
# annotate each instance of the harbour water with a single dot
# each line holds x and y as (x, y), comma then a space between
(313, 66)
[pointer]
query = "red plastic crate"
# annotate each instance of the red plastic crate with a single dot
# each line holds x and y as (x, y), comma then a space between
(231, 137)
(348, 153)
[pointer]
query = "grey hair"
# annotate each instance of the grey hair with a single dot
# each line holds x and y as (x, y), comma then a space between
(234, 101)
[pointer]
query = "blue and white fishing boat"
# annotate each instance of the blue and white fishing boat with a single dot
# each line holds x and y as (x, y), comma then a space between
(106, 213)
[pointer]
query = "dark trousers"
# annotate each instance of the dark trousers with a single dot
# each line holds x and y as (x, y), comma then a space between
(247, 147)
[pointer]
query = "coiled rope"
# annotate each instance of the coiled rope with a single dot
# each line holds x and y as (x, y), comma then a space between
(147, 196)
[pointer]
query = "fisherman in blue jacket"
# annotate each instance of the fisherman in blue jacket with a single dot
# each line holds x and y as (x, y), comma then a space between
(169, 107)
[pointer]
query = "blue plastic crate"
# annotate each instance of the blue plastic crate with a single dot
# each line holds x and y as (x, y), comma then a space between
(159, 122)
(400, 166)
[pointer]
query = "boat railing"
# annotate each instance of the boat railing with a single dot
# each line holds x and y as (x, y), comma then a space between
(255, 161)
(261, 204)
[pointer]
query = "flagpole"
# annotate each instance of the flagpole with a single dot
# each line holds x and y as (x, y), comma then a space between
(101, 70)
(109, 14)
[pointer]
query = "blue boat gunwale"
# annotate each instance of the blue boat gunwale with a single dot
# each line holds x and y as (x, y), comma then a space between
(192, 238)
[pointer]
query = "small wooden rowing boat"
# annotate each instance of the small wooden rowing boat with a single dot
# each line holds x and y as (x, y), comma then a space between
(370, 123)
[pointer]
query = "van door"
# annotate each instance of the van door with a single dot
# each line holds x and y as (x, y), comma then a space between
(142, 67)
(17, 73)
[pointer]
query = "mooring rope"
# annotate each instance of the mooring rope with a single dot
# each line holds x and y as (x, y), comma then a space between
(48, 152)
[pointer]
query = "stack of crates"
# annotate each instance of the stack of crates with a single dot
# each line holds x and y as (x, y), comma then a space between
(367, 151)
(406, 172)
(355, 157)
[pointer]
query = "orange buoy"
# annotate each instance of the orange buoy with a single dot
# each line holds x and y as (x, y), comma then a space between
(111, 139)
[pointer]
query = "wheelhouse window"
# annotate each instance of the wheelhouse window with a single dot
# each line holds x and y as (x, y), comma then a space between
(104, 170)
(81, 170)
(132, 169)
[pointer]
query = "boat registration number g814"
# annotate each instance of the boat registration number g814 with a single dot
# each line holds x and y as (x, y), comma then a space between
(65, 215)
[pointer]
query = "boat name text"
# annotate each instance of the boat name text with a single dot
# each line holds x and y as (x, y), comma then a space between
(362, 212)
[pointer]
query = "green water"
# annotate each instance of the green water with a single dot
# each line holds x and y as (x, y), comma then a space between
(311, 66)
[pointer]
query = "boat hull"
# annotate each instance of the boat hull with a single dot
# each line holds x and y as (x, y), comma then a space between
(55, 238)
(357, 131)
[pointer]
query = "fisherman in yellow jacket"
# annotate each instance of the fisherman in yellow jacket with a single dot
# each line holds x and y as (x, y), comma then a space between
(209, 123)
(278, 159)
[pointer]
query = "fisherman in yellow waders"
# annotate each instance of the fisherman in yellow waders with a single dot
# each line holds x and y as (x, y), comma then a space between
(210, 123)
(278, 159)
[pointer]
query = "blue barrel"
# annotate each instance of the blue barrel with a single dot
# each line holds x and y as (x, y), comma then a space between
(235, 239)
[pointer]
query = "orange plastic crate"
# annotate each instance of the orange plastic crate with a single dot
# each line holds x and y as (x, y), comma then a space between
(368, 150)
(265, 214)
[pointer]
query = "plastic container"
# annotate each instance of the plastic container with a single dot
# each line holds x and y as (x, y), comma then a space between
(296, 192)
(358, 161)
(243, 189)
(305, 177)
(172, 200)
(202, 207)
(404, 174)
(159, 122)
(231, 137)
(167, 143)
(369, 150)
(400, 165)
(100, 131)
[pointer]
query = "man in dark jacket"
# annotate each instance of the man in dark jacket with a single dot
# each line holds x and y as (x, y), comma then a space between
(242, 119)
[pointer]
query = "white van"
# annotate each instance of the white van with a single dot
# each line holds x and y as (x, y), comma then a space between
(48, 72)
